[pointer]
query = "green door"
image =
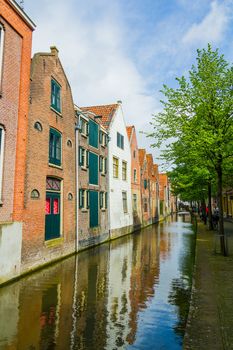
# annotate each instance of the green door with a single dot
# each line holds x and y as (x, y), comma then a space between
(94, 208)
(52, 215)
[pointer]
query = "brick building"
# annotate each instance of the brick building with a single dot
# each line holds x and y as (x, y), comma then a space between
(164, 194)
(135, 177)
(153, 187)
(92, 179)
(145, 189)
(15, 58)
(50, 194)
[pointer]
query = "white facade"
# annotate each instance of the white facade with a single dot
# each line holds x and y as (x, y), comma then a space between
(118, 218)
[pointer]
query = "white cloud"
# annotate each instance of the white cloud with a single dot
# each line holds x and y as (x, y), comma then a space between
(92, 50)
(212, 27)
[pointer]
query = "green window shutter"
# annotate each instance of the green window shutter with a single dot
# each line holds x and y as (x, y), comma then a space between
(94, 208)
(93, 134)
(106, 200)
(93, 169)
(118, 139)
(145, 184)
(105, 165)
(122, 142)
(87, 159)
(101, 200)
(80, 199)
(88, 198)
(87, 129)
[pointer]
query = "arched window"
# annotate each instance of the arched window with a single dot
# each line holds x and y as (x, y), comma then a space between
(2, 137)
(1, 54)
(35, 194)
(38, 126)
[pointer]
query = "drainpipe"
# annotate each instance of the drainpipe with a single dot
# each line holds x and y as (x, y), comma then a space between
(77, 128)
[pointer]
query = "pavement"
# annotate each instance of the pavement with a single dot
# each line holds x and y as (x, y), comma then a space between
(210, 320)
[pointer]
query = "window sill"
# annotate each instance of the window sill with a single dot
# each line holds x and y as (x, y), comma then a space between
(83, 168)
(103, 210)
(103, 146)
(55, 166)
(102, 174)
(54, 110)
(84, 135)
(84, 210)
(54, 242)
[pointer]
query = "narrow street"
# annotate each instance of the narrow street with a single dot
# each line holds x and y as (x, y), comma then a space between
(131, 293)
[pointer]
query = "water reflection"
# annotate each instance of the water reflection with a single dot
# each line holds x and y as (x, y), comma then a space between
(131, 293)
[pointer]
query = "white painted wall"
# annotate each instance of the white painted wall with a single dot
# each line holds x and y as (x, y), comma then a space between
(10, 250)
(117, 216)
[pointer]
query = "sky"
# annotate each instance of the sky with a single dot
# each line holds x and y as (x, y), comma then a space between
(127, 49)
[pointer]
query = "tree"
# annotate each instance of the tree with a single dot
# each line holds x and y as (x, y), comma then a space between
(198, 117)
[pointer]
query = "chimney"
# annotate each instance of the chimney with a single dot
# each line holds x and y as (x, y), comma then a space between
(119, 102)
(54, 50)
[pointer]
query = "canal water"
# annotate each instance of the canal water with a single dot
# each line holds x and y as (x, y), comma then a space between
(132, 293)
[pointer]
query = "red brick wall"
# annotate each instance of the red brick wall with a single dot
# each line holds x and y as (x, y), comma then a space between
(34, 250)
(14, 109)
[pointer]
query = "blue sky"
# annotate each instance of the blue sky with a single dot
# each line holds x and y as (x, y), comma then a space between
(126, 50)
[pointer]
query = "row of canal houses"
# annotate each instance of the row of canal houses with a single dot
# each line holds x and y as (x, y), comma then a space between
(71, 177)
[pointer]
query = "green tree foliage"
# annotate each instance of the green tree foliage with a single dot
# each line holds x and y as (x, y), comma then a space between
(197, 122)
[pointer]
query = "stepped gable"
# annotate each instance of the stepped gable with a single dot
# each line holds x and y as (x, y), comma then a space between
(106, 111)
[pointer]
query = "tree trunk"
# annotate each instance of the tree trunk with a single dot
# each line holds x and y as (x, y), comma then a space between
(220, 206)
(210, 207)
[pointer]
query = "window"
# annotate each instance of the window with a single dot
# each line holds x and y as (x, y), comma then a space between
(134, 202)
(115, 167)
(1, 54)
(124, 201)
(83, 199)
(55, 147)
(103, 200)
(102, 139)
(83, 157)
(102, 165)
(2, 134)
(134, 175)
(134, 154)
(55, 96)
(145, 184)
(35, 194)
(120, 141)
(38, 126)
(93, 134)
(145, 205)
(84, 127)
(124, 170)
(93, 169)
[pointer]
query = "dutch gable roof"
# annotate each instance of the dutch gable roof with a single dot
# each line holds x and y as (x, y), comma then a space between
(107, 113)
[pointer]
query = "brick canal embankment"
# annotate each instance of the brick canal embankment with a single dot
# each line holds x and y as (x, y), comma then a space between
(210, 321)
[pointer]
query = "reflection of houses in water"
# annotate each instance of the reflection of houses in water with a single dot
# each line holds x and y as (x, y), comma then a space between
(90, 299)
(118, 304)
(145, 273)
(40, 315)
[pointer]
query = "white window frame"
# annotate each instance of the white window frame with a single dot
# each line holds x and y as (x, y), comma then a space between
(115, 177)
(2, 36)
(125, 200)
(124, 170)
(1, 159)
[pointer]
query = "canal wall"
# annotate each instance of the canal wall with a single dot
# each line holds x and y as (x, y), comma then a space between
(10, 250)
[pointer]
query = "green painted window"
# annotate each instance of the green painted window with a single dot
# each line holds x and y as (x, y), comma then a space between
(120, 141)
(93, 169)
(93, 134)
(145, 184)
(94, 208)
(55, 140)
(55, 96)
